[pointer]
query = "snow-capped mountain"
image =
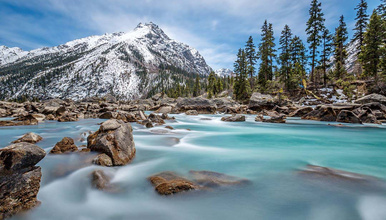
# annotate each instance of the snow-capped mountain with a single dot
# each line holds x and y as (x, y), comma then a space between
(126, 65)
(224, 72)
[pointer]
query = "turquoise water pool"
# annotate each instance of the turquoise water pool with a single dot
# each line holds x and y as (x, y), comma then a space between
(267, 154)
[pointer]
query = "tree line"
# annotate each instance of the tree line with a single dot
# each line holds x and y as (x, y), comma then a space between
(286, 67)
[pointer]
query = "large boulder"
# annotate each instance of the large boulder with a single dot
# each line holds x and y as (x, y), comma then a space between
(66, 145)
(259, 101)
(168, 183)
(372, 98)
(233, 118)
(115, 139)
(201, 105)
(30, 138)
(19, 178)
(348, 117)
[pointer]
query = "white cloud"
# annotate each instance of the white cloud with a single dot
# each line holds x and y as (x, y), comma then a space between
(217, 28)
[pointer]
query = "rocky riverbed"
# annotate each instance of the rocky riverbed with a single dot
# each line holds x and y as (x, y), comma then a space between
(186, 146)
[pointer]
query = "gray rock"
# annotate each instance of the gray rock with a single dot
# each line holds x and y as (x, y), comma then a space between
(19, 156)
(115, 139)
(30, 138)
(66, 145)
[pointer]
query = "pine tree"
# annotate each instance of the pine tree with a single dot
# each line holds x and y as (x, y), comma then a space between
(219, 86)
(326, 52)
(361, 23)
(372, 50)
(266, 54)
(315, 25)
(250, 53)
(242, 89)
(299, 58)
(340, 53)
(197, 87)
(285, 56)
(211, 85)
(381, 10)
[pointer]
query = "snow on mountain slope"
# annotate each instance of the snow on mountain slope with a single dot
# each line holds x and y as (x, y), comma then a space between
(9, 55)
(352, 57)
(126, 65)
(223, 72)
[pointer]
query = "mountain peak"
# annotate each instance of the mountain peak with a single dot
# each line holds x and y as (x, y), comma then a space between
(150, 30)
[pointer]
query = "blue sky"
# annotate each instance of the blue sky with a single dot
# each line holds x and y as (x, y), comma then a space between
(217, 28)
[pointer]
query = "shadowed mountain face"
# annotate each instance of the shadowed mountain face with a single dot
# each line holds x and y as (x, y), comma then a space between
(126, 65)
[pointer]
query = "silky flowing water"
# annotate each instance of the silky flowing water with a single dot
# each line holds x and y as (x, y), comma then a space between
(269, 155)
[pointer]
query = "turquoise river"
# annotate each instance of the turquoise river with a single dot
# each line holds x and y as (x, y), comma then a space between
(269, 155)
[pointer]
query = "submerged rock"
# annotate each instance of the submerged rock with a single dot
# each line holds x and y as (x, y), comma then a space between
(101, 181)
(66, 145)
(29, 138)
(19, 178)
(214, 179)
(167, 183)
(233, 118)
(328, 174)
(115, 139)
